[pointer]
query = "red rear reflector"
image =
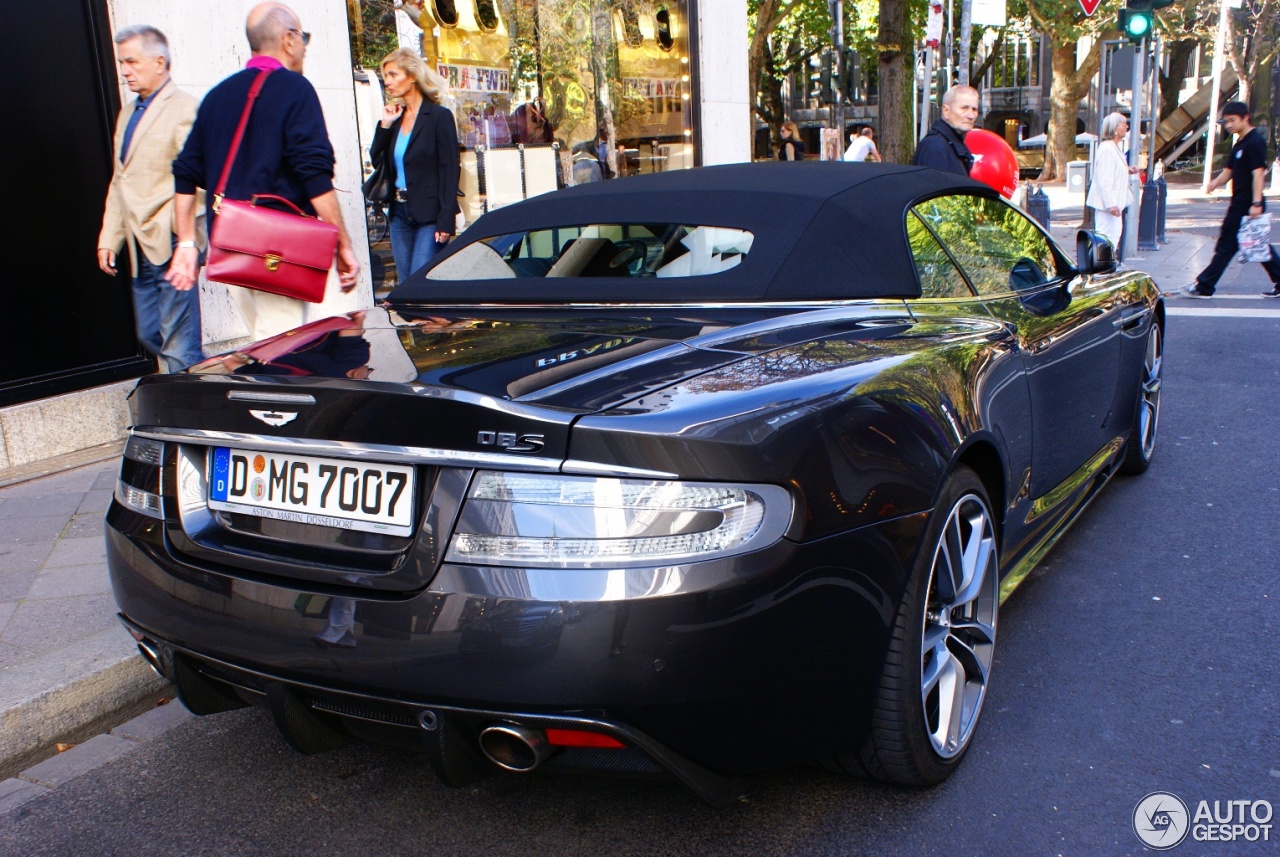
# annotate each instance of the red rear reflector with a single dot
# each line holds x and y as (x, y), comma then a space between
(579, 738)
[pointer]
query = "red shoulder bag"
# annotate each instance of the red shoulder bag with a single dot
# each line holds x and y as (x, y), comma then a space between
(262, 248)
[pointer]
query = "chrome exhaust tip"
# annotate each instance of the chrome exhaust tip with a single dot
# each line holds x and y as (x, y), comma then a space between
(514, 748)
(150, 654)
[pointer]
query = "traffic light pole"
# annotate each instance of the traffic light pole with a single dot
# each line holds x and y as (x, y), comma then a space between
(1135, 122)
(840, 85)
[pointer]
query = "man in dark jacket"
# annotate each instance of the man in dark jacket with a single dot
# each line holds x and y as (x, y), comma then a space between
(943, 147)
(285, 152)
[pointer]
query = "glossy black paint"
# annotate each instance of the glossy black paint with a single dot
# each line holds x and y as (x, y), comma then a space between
(859, 410)
(720, 676)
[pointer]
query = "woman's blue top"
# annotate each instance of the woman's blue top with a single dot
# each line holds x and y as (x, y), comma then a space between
(402, 144)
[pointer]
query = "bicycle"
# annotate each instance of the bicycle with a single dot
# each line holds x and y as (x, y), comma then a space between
(375, 218)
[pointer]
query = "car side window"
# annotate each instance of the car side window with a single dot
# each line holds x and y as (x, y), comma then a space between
(997, 246)
(939, 277)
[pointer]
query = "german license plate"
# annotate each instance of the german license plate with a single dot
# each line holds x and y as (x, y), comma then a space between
(351, 495)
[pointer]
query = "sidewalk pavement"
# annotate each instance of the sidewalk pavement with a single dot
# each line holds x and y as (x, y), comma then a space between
(1177, 262)
(69, 671)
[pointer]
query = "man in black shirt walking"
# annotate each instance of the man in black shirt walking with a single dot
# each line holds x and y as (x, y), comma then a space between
(1246, 169)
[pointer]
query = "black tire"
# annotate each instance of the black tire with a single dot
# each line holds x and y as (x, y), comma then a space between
(1141, 446)
(903, 744)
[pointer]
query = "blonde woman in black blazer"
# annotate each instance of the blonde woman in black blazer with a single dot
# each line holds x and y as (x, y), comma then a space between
(421, 139)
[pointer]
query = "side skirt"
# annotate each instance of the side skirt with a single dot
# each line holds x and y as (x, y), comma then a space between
(1068, 500)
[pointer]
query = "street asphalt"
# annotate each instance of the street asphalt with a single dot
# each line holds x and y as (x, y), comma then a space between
(69, 673)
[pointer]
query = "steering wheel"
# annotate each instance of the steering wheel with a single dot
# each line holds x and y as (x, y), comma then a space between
(630, 251)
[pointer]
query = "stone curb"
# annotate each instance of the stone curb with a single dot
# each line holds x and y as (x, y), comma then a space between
(88, 688)
(60, 463)
(84, 758)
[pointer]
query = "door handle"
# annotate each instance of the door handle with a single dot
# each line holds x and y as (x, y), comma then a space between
(1132, 321)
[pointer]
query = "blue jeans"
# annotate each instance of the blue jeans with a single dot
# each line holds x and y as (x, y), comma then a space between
(413, 244)
(168, 321)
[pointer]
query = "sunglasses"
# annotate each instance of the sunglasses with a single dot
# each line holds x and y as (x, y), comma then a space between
(306, 37)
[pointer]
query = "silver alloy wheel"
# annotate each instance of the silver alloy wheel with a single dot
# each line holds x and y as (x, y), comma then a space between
(1149, 407)
(959, 636)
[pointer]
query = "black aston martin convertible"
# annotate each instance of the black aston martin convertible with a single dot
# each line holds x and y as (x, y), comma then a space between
(689, 475)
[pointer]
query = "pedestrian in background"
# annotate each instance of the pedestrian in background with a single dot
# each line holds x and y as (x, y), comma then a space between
(1110, 194)
(943, 147)
(1246, 170)
(792, 148)
(286, 152)
(150, 132)
(422, 138)
(862, 146)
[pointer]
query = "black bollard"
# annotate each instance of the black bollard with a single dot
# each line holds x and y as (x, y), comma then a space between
(1161, 209)
(1147, 217)
(1037, 206)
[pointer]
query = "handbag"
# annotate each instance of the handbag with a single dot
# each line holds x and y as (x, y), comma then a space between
(1254, 237)
(282, 252)
(380, 184)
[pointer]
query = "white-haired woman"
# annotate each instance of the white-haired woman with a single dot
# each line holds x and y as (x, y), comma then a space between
(1109, 195)
(421, 138)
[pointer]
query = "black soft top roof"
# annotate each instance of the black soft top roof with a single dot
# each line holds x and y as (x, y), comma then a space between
(823, 231)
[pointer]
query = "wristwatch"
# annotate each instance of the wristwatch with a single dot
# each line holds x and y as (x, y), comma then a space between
(192, 244)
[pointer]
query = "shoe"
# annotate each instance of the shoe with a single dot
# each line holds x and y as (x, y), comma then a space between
(1193, 291)
(346, 641)
(1274, 293)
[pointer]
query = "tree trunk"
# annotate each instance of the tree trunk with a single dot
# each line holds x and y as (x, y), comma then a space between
(601, 53)
(996, 47)
(769, 106)
(897, 83)
(1180, 54)
(1236, 56)
(1070, 84)
(768, 17)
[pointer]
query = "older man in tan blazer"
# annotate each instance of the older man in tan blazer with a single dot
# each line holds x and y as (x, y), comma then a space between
(150, 133)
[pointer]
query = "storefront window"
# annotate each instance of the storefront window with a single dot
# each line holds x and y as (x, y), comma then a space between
(552, 93)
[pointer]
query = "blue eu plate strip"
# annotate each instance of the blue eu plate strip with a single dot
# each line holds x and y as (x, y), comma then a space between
(221, 473)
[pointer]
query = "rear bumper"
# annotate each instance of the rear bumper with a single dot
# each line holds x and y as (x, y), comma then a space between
(776, 667)
(449, 736)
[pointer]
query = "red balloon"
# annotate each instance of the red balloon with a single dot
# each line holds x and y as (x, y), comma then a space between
(994, 163)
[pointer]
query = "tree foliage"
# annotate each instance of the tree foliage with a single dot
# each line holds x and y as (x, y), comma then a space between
(1252, 42)
(372, 31)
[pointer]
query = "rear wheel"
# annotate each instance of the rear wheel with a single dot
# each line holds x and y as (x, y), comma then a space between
(1141, 446)
(939, 659)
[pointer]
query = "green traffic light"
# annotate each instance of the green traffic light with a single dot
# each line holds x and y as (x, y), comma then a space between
(1137, 26)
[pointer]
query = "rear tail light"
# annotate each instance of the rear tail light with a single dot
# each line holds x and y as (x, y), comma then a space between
(138, 500)
(144, 451)
(138, 487)
(550, 521)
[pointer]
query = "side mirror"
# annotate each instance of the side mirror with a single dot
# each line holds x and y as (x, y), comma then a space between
(1094, 253)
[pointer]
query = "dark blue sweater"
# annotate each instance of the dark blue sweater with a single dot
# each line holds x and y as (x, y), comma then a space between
(285, 150)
